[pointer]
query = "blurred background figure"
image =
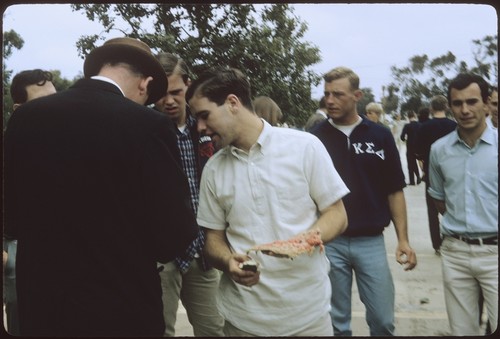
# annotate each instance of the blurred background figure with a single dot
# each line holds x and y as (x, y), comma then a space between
(409, 134)
(397, 128)
(267, 109)
(375, 112)
(316, 117)
(493, 107)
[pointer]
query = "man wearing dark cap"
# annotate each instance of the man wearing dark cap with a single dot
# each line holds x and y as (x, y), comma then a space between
(95, 195)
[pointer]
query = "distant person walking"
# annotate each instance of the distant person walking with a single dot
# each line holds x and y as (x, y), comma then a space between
(409, 135)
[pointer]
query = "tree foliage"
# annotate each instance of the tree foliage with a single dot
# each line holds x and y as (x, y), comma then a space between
(365, 100)
(11, 41)
(423, 77)
(266, 43)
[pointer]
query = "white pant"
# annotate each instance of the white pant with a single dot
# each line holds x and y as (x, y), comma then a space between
(467, 269)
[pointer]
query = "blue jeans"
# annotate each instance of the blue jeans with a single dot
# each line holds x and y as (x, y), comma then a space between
(367, 258)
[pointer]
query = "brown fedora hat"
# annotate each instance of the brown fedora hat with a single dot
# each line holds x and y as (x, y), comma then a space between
(134, 52)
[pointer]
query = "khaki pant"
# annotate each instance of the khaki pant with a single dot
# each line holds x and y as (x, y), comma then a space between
(467, 269)
(196, 289)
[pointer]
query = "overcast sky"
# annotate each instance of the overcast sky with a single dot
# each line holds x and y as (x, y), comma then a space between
(369, 38)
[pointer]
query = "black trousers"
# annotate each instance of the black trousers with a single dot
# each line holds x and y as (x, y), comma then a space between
(412, 167)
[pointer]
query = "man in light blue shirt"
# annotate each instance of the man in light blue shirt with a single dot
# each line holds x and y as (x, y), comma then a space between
(463, 173)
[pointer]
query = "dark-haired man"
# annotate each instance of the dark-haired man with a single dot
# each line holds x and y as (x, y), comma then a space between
(255, 191)
(31, 84)
(26, 86)
(463, 171)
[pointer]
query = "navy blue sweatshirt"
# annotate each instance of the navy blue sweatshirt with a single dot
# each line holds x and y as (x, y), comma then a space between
(368, 162)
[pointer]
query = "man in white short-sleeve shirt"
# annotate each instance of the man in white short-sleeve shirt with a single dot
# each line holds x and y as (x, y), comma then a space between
(264, 184)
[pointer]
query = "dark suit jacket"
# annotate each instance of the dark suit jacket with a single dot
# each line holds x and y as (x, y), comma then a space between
(96, 196)
(409, 134)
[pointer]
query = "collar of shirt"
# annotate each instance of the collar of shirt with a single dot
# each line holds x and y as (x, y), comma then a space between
(106, 79)
(488, 137)
(260, 144)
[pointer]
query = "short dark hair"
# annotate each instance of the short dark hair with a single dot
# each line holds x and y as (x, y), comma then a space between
(423, 114)
(26, 78)
(217, 83)
(463, 80)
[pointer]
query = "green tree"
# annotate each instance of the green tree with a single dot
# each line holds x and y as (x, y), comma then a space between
(11, 41)
(423, 77)
(365, 100)
(266, 43)
(390, 102)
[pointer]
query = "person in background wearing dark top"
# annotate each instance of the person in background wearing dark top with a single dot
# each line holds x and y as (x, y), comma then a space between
(317, 116)
(430, 131)
(463, 174)
(26, 86)
(95, 196)
(493, 107)
(366, 156)
(423, 114)
(189, 277)
(409, 134)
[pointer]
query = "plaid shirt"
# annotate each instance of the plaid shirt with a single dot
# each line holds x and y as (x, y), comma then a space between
(190, 166)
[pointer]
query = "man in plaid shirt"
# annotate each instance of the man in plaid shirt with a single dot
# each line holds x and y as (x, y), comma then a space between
(189, 277)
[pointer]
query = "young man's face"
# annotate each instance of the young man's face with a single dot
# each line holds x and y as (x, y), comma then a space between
(173, 104)
(468, 107)
(341, 101)
(215, 121)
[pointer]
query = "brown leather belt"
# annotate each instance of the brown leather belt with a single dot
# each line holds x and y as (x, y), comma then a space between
(477, 241)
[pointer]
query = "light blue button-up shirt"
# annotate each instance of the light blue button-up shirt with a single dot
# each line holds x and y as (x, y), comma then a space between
(466, 179)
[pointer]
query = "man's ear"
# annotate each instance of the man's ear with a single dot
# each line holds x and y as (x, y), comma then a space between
(143, 85)
(358, 94)
(15, 106)
(233, 102)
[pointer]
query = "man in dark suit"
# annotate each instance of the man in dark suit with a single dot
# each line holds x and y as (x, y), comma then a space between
(96, 196)
(409, 134)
